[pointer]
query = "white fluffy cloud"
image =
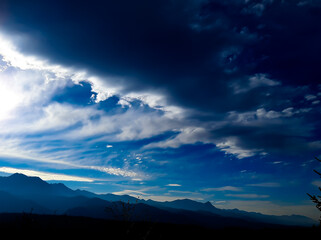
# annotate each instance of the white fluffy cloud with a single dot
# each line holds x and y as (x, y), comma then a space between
(231, 146)
(27, 85)
(187, 135)
(31, 123)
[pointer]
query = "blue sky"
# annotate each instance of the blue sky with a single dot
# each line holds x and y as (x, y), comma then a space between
(164, 100)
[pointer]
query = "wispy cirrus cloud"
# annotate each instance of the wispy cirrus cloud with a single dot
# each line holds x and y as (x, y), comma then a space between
(222, 189)
(248, 195)
(264, 184)
(61, 159)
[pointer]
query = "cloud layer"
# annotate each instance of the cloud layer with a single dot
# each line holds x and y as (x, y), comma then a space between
(210, 62)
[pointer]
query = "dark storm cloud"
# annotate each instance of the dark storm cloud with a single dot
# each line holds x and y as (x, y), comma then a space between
(210, 56)
(191, 50)
(194, 51)
(276, 136)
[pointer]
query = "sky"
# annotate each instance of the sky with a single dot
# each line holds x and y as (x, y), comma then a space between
(167, 99)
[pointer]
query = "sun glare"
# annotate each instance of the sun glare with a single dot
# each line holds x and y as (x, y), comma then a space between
(10, 54)
(9, 99)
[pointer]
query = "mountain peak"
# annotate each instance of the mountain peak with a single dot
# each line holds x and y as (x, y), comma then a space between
(17, 175)
(20, 184)
(24, 178)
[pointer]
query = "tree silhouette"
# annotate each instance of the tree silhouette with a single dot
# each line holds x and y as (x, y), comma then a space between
(314, 198)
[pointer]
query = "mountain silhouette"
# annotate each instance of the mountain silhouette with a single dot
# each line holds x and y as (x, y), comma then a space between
(11, 203)
(20, 193)
(22, 185)
(185, 204)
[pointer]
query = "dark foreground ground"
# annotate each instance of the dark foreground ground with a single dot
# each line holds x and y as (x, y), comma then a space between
(61, 226)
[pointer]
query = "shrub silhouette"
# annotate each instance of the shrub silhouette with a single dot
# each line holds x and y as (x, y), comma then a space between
(314, 198)
(121, 210)
(125, 212)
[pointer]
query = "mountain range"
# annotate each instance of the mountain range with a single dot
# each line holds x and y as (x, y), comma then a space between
(20, 193)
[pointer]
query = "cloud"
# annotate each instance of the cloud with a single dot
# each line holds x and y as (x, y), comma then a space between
(46, 176)
(142, 194)
(255, 8)
(39, 80)
(134, 193)
(246, 134)
(190, 56)
(129, 125)
(264, 184)
(115, 171)
(251, 133)
(258, 80)
(188, 135)
(181, 54)
(57, 117)
(317, 183)
(211, 74)
(222, 189)
(173, 185)
(37, 120)
(231, 147)
(310, 97)
(51, 154)
(248, 195)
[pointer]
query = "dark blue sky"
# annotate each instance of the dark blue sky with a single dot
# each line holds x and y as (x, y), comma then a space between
(208, 100)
